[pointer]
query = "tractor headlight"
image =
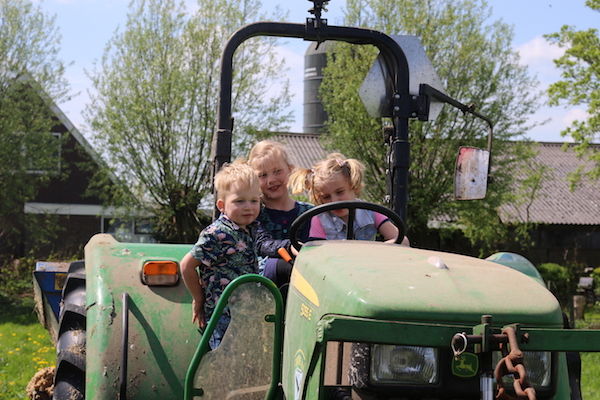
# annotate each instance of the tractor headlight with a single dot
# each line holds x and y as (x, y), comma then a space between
(404, 365)
(538, 366)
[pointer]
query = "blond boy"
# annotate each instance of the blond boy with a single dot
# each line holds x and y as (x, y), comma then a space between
(226, 248)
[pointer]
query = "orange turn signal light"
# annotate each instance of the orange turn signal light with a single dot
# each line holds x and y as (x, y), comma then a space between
(160, 273)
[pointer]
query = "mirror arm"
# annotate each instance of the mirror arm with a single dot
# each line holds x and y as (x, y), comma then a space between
(426, 90)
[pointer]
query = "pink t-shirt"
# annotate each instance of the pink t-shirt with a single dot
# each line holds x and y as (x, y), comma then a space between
(317, 231)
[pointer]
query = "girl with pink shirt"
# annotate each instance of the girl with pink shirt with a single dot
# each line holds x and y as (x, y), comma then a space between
(337, 178)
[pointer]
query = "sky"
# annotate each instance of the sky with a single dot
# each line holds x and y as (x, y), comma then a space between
(87, 25)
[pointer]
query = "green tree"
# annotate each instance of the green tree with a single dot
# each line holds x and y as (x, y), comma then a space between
(156, 98)
(30, 74)
(475, 61)
(580, 86)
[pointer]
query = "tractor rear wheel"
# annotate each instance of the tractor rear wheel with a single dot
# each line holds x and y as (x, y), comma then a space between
(69, 381)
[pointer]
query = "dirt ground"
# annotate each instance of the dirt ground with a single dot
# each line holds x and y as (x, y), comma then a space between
(40, 387)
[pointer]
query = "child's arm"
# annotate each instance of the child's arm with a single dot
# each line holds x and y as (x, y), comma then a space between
(266, 246)
(192, 283)
(388, 231)
(385, 227)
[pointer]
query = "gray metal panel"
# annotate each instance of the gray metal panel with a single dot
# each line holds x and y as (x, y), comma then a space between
(375, 90)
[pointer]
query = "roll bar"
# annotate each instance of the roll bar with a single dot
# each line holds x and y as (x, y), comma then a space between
(316, 29)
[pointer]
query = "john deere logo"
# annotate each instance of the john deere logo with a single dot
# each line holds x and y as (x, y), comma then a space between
(299, 361)
(465, 366)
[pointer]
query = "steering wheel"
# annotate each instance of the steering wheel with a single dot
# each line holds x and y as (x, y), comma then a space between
(352, 206)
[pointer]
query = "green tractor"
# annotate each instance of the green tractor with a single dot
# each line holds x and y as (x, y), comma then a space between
(362, 320)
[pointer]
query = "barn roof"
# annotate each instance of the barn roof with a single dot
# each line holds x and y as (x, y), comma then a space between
(304, 149)
(554, 204)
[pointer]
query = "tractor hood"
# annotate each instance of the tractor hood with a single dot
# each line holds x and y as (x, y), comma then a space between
(391, 282)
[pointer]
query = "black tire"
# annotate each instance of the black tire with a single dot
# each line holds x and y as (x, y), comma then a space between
(69, 380)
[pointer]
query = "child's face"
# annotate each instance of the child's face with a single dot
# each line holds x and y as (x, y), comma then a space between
(241, 205)
(335, 188)
(273, 175)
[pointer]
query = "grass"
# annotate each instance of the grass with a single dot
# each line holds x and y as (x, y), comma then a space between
(590, 371)
(25, 347)
(590, 362)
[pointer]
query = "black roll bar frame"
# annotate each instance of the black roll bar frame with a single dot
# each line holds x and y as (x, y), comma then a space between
(318, 30)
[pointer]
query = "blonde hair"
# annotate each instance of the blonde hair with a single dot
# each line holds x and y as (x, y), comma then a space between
(306, 180)
(238, 174)
(266, 149)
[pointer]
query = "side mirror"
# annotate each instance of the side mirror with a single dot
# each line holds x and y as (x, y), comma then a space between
(471, 173)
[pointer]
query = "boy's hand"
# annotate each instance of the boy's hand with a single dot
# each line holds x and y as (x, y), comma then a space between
(198, 314)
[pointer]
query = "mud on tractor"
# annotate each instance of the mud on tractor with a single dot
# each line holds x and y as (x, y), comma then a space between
(362, 320)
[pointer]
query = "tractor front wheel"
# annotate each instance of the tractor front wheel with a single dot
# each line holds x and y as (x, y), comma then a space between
(69, 381)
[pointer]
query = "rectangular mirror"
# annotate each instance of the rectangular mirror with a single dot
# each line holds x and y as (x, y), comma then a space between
(471, 173)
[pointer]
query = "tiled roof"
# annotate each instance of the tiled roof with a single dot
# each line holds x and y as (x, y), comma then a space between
(554, 204)
(304, 149)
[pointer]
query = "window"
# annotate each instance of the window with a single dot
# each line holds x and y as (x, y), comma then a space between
(144, 227)
(129, 229)
(121, 229)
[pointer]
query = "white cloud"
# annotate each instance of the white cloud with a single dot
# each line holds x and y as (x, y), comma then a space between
(538, 51)
(538, 55)
(574, 114)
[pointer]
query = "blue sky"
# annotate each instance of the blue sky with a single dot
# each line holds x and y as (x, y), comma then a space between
(87, 25)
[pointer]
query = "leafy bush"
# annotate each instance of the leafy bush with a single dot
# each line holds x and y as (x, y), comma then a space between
(558, 279)
(16, 279)
(596, 276)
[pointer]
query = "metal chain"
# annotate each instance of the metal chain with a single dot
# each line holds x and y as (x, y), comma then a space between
(512, 363)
